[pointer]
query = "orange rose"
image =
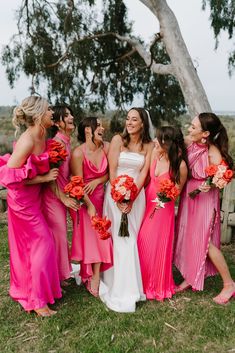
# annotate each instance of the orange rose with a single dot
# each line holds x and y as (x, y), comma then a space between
(63, 154)
(77, 192)
(211, 170)
(224, 163)
(77, 179)
(116, 196)
(228, 175)
(166, 184)
(68, 188)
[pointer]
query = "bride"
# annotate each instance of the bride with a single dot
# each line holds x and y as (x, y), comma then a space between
(129, 153)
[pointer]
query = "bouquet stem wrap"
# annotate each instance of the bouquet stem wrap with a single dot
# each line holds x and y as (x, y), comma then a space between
(123, 230)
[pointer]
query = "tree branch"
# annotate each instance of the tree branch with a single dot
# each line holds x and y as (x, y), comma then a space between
(134, 43)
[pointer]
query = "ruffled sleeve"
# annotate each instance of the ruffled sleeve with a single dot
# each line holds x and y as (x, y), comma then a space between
(11, 177)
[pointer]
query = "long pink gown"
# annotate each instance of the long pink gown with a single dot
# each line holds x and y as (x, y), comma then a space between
(87, 247)
(34, 280)
(155, 243)
(56, 212)
(198, 223)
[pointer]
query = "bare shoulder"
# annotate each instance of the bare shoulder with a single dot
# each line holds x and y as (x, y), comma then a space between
(148, 147)
(25, 143)
(117, 139)
(77, 152)
(215, 156)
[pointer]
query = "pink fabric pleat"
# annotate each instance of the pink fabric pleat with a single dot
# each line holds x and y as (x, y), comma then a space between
(198, 223)
(155, 244)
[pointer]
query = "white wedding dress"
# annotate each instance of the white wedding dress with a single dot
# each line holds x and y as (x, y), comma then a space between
(121, 285)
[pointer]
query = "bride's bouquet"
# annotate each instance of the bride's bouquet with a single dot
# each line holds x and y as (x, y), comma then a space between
(101, 225)
(123, 189)
(168, 191)
(217, 175)
(57, 153)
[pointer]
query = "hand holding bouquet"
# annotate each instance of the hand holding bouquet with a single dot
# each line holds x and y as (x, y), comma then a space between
(101, 225)
(57, 153)
(123, 190)
(217, 175)
(168, 192)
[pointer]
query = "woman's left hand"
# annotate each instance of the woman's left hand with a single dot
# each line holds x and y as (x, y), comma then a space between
(204, 187)
(90, 187)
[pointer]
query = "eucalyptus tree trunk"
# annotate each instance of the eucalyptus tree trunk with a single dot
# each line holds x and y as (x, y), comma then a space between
(181, 62)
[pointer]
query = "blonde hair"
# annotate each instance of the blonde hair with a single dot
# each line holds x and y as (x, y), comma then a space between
(29, 112)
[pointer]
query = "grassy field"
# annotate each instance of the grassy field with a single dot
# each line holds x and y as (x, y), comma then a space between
(188, 323)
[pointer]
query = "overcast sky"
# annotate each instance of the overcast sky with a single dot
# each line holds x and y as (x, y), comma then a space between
(195, 27)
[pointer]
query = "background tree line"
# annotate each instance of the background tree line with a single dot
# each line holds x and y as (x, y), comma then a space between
(88, 56)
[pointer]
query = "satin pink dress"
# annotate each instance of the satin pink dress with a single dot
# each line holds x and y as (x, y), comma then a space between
(155, 243)
(87, 247)
(198, 223)
(56, 212)
(34, 280)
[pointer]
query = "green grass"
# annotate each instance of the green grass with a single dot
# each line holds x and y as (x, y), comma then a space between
(188, 323)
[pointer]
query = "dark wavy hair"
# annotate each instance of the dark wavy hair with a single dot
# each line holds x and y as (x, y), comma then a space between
(58, 115)
(172, 141)
(144, 135)
(90, 121)
(218, 134)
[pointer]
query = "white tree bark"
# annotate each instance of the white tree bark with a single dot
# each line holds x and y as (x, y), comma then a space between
(181, 62)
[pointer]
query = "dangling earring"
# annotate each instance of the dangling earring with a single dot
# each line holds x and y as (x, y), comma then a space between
(203, 140)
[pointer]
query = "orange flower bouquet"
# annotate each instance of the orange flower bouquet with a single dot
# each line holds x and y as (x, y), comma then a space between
(75, 188)
(168, 192)
(57, 153)
(217, 175)
(123, 189)
(101, 225)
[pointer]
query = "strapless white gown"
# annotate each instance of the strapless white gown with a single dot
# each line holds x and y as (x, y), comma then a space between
(121, 286)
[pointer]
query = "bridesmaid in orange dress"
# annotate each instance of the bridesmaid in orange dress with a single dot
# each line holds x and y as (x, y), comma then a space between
(89, 161)
(197, 250)
(155, 239)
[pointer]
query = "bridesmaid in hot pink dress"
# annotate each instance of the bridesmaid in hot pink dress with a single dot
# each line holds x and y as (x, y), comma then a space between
(89, 160)
(34, 280)
(155, 239)
(54, 200)
(197, 249)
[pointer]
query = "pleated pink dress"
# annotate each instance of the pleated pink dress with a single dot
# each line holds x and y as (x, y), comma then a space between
(87, 247)
(56, 212)
(155, 243)
(198, 223)
(34, 280)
